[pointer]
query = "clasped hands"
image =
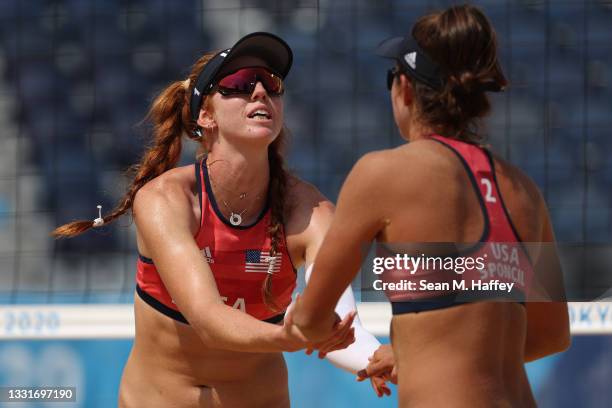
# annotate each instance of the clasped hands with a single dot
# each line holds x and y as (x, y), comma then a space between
(338, 335)
(332, 333)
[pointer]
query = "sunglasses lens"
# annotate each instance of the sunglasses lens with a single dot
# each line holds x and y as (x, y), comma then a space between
(239, 81)
(272, 83)
(244, 80)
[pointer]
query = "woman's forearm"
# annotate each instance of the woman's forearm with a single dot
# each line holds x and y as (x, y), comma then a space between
(222, 327)
(314, 325)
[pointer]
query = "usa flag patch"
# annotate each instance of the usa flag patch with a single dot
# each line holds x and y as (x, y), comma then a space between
(257, 260)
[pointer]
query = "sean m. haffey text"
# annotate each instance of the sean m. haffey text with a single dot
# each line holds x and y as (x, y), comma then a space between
(499, 261)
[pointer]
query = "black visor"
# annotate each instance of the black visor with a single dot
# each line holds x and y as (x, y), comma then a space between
(270, 48)
(413, 60)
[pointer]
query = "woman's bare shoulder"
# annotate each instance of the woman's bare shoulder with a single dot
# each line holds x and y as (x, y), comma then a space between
(164, 205)
(522, 198)
(412, 165)
(520, 180)
(302, 191)
(307, 206)
(174, 188)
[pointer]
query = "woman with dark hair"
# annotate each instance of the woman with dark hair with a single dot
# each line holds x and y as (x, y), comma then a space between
(220, 241)
(451, 347)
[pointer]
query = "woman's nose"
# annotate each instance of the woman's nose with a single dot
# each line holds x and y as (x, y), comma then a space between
(259, 91)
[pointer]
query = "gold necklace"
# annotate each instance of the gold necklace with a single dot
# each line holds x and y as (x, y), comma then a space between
(242, 195)
(235, 217)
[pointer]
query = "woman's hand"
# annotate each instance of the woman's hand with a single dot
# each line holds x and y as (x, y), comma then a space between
(380, 370)
(339, 336)
(342, 336)
(379, 384)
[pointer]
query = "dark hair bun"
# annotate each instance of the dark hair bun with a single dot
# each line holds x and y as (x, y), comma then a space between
(468, 82)
(461, 40)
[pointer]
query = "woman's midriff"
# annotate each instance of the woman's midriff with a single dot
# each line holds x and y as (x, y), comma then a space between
(463, 356)
(169, 355)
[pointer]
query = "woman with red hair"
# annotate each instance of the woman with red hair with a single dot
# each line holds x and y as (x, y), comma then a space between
(220, 242)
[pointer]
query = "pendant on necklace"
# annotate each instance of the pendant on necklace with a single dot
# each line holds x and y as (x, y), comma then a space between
(235, 219)
(242, 196)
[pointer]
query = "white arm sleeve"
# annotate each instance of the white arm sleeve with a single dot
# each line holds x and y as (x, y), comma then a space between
(354, 357)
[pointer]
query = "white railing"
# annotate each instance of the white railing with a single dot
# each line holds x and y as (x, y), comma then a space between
(116, 321)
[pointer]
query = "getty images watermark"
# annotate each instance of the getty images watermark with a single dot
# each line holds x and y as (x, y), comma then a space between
(405, 272)
(500, 271)
(423, 265)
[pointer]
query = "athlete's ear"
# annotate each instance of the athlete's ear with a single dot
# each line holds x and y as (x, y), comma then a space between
(406, 89)
(206, 119)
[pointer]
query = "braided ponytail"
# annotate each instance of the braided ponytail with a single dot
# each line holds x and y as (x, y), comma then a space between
(171, 119)
(277, 197)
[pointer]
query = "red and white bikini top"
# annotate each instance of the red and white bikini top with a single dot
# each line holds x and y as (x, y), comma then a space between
(500, 248)
(239, 257)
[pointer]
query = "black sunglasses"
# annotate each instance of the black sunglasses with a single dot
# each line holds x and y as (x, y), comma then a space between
(391, 74)
(244, 80)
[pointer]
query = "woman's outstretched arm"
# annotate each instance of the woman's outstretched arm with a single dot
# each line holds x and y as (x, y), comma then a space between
(356, 223)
